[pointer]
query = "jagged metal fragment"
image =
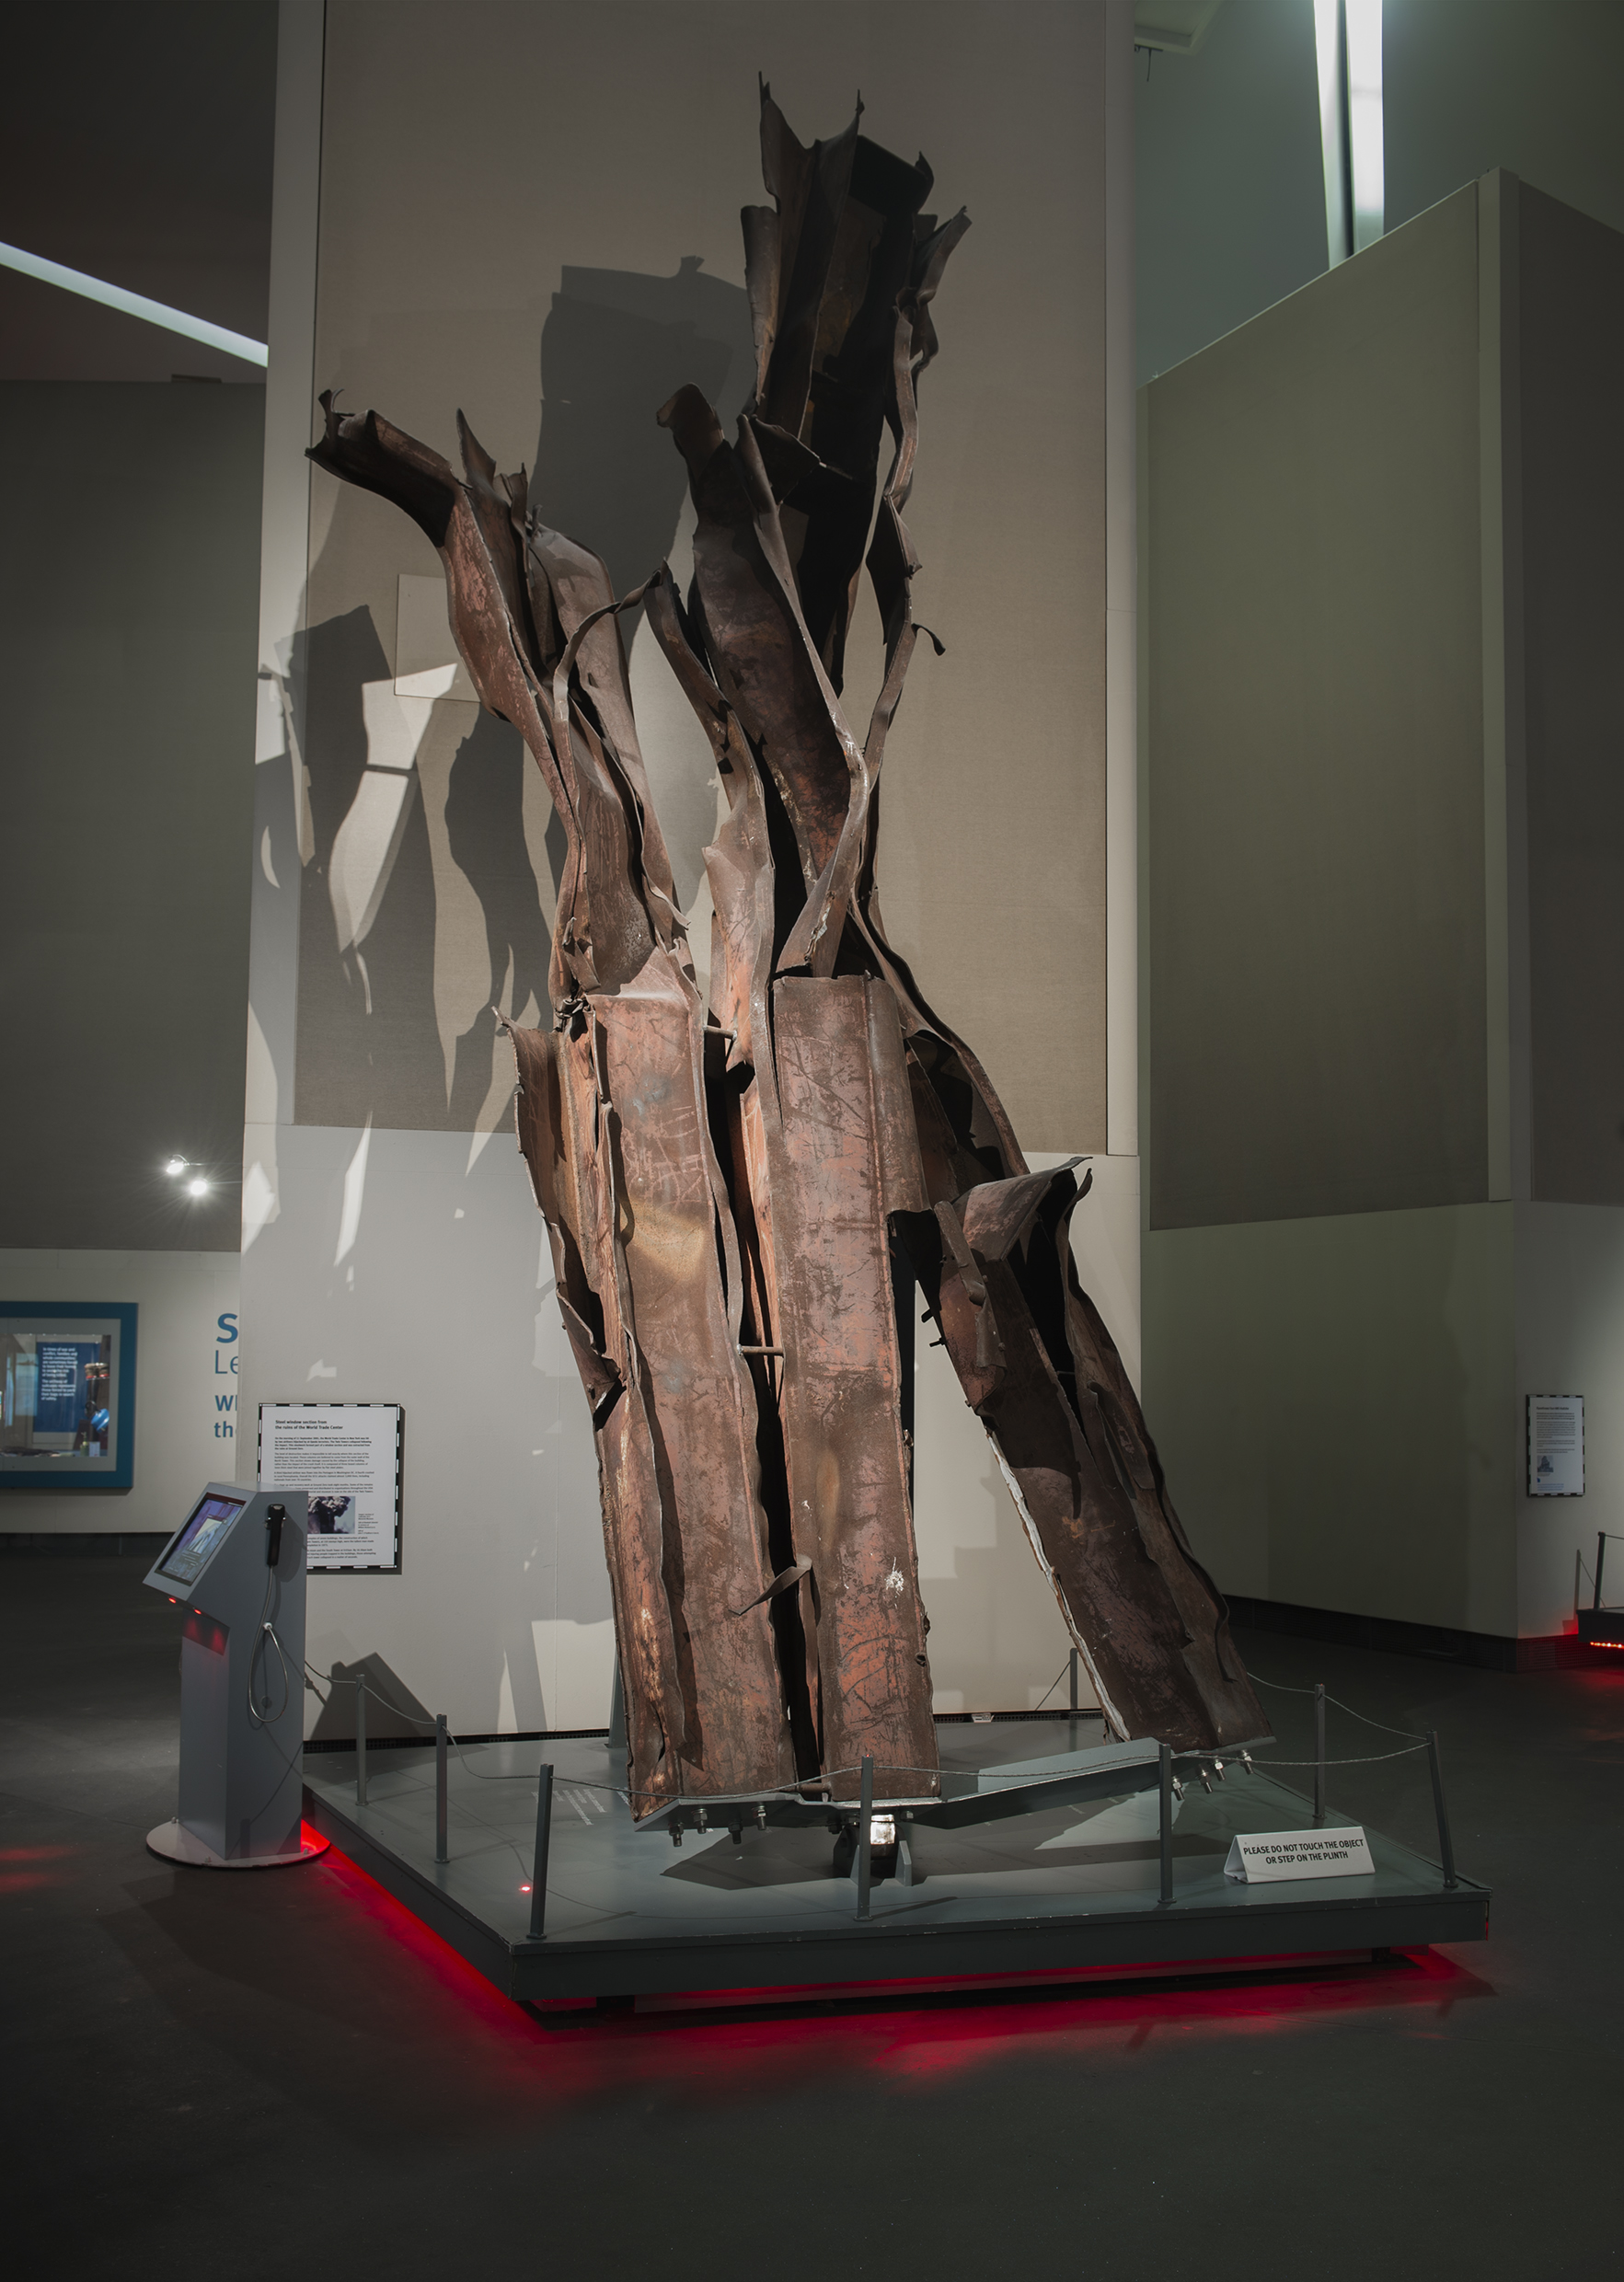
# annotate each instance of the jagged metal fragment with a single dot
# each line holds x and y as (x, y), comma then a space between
(736, 1194)
(1033, 1354)
(615, 1124)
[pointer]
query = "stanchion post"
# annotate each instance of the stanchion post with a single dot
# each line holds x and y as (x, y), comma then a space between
(442, 1809)
(1165, 1772)
(1601, 1546)
(544, 1831)
(1319, 1753)
(1445, 1844)
(1074, 1693)
(865, 1863)
(361, 1739)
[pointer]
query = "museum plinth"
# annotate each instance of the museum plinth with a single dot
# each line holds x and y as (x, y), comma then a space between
(1069, 1889)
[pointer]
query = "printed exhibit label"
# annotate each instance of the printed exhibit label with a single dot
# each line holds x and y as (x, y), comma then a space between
(1556, 1446)
(1265, 1855)
(346, 1457)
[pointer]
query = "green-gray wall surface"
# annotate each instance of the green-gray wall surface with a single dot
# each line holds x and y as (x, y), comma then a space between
(128, 607)
(1230, 178)
(1316, 791)
(1383, 951)
(1571, 364)
(1329, 1398)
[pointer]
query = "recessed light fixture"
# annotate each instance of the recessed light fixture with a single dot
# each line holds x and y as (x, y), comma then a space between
(134, 305)
(197, 1188)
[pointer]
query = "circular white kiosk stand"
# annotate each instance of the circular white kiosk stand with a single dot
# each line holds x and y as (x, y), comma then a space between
(235, 1567)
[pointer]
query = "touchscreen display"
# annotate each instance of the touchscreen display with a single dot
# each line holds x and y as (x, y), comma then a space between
(185, 1559)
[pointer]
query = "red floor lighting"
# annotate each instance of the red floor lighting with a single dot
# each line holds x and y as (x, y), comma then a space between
(915, 2033)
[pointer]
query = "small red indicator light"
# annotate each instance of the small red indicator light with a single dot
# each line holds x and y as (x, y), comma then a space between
(173, 1602)
(524, 1889)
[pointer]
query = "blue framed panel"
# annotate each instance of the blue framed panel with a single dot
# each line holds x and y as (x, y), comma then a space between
(67, 1395)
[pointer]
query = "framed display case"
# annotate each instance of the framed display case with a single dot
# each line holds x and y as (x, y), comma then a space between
(67, 1395)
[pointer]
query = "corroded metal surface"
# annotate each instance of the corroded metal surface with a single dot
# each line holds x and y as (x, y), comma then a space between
(846, 1159)
(736, 1192)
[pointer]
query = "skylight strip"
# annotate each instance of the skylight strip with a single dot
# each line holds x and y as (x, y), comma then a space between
(1365, 137)
(134, 305)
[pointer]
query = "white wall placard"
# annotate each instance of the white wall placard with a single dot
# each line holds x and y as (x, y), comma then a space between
(1556, 1446)
(1264, 1855)
(346, 1457)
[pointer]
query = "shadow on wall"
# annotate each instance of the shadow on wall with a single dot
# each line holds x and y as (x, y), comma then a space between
(393, 1712)
(367, 1034)
(484, 816)
(430, 890)
(995, 1621)
(615, 348)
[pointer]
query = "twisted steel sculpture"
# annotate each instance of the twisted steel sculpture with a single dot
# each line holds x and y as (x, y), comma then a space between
(743, 1196)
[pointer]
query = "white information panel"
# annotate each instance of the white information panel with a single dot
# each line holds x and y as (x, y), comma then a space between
(1264, 1855)
(1556, 1446)
(346, 1457)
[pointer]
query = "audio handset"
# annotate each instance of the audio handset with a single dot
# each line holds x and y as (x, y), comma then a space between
(274, 1518)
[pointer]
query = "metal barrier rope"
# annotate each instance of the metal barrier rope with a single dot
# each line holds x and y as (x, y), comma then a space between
(1053, 1684)
(798, 1791)
(430, 1725)
(866, 1771)
(1279, 1688)
(390, 1706)
(1374, 1758)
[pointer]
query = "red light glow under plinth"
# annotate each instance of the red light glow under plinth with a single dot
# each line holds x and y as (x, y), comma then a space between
(913, 2034)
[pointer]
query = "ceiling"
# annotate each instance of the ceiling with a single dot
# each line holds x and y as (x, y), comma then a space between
(135, 144)
(1177, 25)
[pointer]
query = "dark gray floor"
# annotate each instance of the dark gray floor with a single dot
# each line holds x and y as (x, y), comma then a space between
(253, 2073)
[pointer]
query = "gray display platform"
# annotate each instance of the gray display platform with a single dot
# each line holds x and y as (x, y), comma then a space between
(1067, 1889)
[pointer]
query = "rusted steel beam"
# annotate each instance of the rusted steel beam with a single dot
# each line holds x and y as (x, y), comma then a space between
(615, 1125)
(731, 1191)
(1062, 1415)
(846, 1160)
(820, 1114)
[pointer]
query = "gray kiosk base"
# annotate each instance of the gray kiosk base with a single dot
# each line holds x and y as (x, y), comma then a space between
(176, 1844)
(234, 1569)
(1062, 1892)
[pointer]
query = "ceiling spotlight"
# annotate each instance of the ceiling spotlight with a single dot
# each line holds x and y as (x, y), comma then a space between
(197, 1188)
(176, 1166)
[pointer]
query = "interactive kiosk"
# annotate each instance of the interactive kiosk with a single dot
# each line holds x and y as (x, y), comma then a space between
(237, 1568)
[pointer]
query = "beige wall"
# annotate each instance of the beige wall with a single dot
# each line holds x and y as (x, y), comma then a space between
(1341, 1405)
(1570, 1339)
(517, 201)
(1333, 1403)
(514, 201)
(1314, 723)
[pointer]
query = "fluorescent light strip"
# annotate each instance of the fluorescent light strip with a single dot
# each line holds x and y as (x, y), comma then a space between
(1362, 19)
(1331, 56)
(134, 305)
